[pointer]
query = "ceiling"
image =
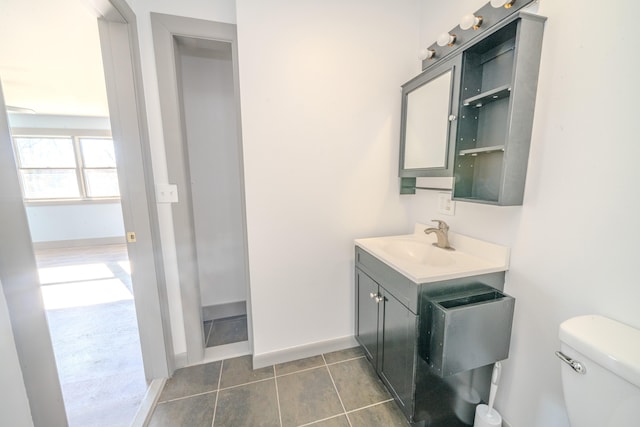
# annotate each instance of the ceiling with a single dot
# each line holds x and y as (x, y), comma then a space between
(50, 57)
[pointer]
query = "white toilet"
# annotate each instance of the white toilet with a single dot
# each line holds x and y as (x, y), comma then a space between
(601, 372)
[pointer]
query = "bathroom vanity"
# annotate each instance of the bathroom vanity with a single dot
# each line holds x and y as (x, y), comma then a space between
(432, 322)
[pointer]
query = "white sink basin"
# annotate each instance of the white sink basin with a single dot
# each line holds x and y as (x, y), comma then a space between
(415, 256)
(419, 252)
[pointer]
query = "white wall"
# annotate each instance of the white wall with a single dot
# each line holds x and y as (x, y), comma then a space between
(53, 223)
(14, 404)
(320, 93)
(52, 121)
(320, 100)
(574, 239)
(214, 167)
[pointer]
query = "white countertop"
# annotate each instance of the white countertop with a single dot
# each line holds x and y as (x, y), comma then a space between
(414, 256)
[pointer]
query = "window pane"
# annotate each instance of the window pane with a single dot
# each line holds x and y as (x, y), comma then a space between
(101, 182)
(46, 152)
(50, 184)
(98, 153)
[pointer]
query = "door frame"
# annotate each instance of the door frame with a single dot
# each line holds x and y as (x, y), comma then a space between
(21, 287)
(165, 29)
(123, 77)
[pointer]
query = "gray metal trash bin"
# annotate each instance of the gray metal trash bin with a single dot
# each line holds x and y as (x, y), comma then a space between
(468, 330)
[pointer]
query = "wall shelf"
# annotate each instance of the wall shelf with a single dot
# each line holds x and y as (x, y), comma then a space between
(487, 97)
(482, 150)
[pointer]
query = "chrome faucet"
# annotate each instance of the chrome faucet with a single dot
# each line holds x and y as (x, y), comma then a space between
(442, 234)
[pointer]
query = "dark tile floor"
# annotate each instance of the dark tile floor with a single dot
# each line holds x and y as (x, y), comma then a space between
(330, 390)
(225, 331)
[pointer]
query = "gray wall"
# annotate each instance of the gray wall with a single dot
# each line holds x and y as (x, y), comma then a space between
(209, 102)
(14, 405)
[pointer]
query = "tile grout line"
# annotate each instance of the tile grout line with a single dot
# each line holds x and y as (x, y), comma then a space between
(275, 380)
(345, 360)
(369, 406)
(319, 366)
(321, 420)
(206, 342)
(243, 384)
(215, 405)
(299, 371)
(337, 392)
(175, 399)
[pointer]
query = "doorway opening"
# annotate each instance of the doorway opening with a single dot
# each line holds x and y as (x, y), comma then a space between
(65, 159)
(121, 70)
(70, 191)
(208, 103)
(201, 123)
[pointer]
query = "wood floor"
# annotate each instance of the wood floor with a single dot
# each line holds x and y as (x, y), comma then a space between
(94, 333)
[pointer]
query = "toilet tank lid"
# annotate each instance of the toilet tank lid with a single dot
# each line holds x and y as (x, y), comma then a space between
(611, 344)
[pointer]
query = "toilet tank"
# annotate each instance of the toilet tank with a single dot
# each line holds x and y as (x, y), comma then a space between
(607, 393)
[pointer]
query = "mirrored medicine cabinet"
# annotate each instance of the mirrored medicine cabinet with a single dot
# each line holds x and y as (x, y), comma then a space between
(469, 114)
(429, 106)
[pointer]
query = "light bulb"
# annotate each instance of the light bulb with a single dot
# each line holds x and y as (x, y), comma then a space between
(427, 54)
(502, 3)
(470, 20)
(445, 39)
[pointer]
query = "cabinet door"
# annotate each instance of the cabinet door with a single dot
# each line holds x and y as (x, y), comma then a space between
(397, 350)
(428, 132)
(367, 315)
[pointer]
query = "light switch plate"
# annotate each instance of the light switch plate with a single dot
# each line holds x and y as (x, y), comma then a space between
(446, 206)
(166, 193)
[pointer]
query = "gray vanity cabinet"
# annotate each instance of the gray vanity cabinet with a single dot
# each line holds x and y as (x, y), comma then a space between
(405, 329)
(397, 329)
(386, 329)
(367, 291)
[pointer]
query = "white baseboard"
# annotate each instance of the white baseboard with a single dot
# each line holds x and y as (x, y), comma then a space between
(58, 244)
(300, 352)
(505, 423)
(220, 311)
(180, 360)
(148, 404)
(227, 351)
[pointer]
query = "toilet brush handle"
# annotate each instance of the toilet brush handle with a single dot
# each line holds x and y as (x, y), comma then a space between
(495, 378)
(492, 396)
(497, 371)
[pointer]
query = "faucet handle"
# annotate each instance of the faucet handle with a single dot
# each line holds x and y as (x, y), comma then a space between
(441, 225)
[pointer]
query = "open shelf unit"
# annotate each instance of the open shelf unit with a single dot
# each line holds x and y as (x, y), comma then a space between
(497, 100)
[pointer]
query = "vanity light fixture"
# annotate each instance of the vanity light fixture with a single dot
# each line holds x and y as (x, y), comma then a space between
(427, 54)
(502, 3)
(446, 39)
(470, 21)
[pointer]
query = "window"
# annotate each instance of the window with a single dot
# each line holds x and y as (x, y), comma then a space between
(66, 167)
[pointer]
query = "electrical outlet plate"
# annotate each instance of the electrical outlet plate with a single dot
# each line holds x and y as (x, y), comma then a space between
(446, 206)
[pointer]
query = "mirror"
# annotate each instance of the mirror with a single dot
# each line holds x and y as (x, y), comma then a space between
(426, 127)
(427, 132)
